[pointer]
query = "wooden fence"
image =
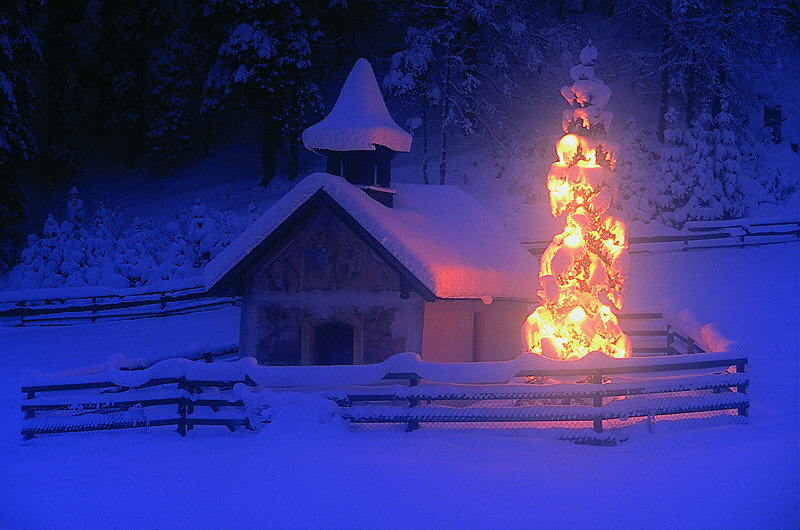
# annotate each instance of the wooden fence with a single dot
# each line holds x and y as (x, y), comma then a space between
(584, 397)
(698, 235)
(70, 306)
(608, 394)
(70, 408)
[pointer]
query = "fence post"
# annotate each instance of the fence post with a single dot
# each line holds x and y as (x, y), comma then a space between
(742, 389)
(182, 407)
(597, 401)
(670, 338)
(182, 414)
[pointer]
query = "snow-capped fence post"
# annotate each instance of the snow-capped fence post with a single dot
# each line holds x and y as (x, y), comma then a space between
(182, 407)
(182, 414)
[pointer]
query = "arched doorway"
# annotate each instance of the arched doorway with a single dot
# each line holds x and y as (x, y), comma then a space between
(333, 343)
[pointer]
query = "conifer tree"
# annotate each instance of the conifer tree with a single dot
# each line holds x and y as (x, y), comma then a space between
(704, 203)
(674, 187)
(167, 135)
(264, 59)
(633, 167)
(144, 77)
(727, 163)
(61, 55)
(19, 52)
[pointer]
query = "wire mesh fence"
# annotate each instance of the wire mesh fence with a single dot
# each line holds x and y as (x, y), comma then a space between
(593, 419)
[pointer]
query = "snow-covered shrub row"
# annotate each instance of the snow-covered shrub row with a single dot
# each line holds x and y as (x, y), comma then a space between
(712, 170)
(104, 251)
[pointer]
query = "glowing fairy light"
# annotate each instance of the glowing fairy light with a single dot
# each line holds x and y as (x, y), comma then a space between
(572, 240)
(577, 314)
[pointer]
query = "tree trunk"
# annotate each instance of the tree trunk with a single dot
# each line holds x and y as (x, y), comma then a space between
(269, 142)
(470, 56)
(665, 38)
(425, 177)
(773, 117)
(609, 7)
(716, 102)
(101, 115)
(206, 134)
(690, 95)
(293, 154)
(445, 116)
(137, 141)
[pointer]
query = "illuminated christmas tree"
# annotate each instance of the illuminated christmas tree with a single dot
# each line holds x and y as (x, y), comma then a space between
(584, 268)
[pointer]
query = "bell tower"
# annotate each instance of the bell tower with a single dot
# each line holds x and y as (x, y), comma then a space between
(358, 137)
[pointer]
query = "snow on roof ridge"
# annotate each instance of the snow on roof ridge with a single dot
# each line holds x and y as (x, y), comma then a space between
(359, 120)
(441, 234)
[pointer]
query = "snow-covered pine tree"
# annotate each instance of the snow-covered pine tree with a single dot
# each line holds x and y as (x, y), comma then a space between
(706, 50)
(727, 163)
(19, 52)
(133, 86)
(104, 235)
(62, 57)
(674, 186)
(460, 55)
(634, 163)
(59, 256)
(264, 59)
(167, 133)
(75, 211)
(410, 77)
(102, 252)
(704, 203)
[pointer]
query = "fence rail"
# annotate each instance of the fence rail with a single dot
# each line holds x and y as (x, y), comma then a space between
(737, 233)
(69, 306)
(590, 394)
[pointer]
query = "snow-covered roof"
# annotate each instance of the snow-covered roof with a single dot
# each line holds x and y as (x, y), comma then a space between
(359, 119)
(440, 234)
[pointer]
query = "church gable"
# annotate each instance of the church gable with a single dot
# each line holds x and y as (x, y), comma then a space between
(322, 253)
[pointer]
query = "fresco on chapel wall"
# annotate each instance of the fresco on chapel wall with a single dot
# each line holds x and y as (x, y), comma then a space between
(326, 255)
(379, 344)
(278, 335)
(279, 332)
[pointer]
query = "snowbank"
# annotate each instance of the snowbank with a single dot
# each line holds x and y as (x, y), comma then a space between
(321, 376)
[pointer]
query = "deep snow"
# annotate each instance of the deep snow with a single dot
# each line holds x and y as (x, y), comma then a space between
(298, 475)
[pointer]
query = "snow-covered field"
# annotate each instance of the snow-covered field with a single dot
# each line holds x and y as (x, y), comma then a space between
(300, 475)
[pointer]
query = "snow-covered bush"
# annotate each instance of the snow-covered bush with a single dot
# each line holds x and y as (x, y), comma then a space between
(634, 164)
(104, 252)
(712, 170)
(674, 187)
